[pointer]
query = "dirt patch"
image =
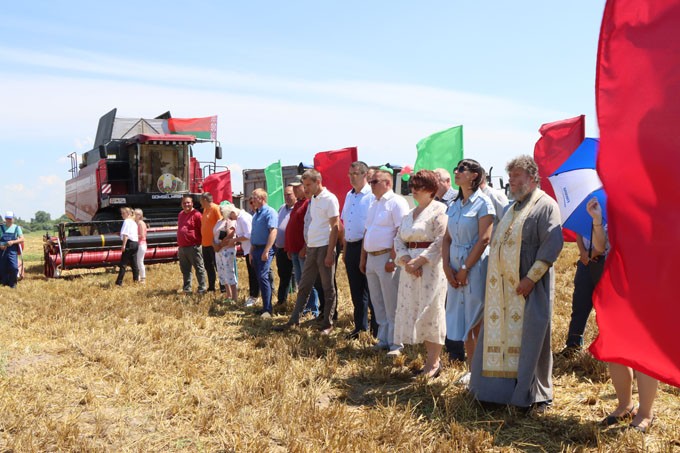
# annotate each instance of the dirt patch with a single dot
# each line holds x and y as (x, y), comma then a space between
(28, 362)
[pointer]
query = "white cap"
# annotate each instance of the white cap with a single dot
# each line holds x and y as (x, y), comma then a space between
(9, 214)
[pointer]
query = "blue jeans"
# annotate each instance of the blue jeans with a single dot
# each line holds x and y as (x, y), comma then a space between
(262, 271)
(313, 301)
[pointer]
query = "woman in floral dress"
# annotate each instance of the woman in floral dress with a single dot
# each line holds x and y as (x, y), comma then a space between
(420, 314)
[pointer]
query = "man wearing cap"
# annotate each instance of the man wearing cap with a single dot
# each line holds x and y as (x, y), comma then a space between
(353, 216)
(10, 242)
(377, 257)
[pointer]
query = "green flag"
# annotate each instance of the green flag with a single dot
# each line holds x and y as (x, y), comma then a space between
(440, 150)
(274, 185)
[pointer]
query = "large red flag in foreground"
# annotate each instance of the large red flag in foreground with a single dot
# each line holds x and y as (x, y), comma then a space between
(334, 166)
(558, 141)
(638, 88)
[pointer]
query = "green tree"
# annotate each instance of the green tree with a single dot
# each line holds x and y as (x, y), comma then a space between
(42, 217)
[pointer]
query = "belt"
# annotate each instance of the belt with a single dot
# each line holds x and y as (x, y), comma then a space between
(418, 245)
(380, 252)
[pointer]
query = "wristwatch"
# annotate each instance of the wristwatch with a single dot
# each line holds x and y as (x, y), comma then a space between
(463, 267)
(390, 260)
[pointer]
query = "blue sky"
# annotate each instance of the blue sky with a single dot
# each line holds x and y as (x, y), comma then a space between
(288, 79)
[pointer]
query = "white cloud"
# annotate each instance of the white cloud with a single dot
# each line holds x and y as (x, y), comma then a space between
(261, 118)
(83, 144)
(50, 180)
(15, 188)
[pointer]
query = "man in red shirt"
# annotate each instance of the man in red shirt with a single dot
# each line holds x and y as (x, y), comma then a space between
(189, 242)
(295, 242)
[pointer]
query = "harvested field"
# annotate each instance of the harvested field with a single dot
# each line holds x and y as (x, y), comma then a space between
(87, 366)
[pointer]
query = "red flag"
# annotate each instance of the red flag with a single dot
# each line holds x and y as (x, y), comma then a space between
(558, 141)
(219, 186)
(637, 88)
(333, 166)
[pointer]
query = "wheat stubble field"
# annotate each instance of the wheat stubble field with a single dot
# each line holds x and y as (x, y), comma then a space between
(87, 366)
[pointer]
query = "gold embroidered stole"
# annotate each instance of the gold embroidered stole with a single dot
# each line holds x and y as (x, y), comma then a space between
(503, 307)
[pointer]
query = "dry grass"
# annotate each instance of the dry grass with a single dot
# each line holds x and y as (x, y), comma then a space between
(86, 366)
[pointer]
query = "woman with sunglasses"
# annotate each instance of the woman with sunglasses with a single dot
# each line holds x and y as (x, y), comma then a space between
(464, 256)
(422, 287)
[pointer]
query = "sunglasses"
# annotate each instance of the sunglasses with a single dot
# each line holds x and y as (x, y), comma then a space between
(375, 181)
(460, 169)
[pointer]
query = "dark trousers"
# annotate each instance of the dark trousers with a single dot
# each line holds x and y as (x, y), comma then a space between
(358, 286)
(263, 273)
(253, 287)
(284, 268)
(9, 267)
(585, 281)
(320, 289)
(129, 256)
(455, 349)
(210, 265)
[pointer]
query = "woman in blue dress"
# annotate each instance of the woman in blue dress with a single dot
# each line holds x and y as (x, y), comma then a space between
(464, 256)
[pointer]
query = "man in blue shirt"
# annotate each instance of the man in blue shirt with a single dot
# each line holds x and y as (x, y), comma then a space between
(262, 237)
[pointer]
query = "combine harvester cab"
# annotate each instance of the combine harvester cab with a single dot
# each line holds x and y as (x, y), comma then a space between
(137, 163)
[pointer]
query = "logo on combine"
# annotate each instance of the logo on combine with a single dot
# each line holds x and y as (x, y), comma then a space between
(169, 183)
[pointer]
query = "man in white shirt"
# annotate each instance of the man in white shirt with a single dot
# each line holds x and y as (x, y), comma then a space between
(322, 237)
(353, 216)
(498, 198)
(377, 257)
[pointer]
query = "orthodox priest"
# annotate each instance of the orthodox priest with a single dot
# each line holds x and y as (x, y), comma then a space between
(513, 361)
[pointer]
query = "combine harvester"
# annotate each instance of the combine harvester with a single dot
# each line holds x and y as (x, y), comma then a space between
(136, 162)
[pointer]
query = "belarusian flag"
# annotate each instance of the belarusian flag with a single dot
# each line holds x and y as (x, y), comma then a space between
(205, 128)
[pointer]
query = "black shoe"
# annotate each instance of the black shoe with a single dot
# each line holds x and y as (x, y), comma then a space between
(285, 327)
(610, 420)
(541, 408)
(569, 352)
(353, 335)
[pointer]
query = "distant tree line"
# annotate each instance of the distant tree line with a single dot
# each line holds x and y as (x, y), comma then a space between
(41, 222)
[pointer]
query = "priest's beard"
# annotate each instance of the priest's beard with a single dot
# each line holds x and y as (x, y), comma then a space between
(521, 192)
